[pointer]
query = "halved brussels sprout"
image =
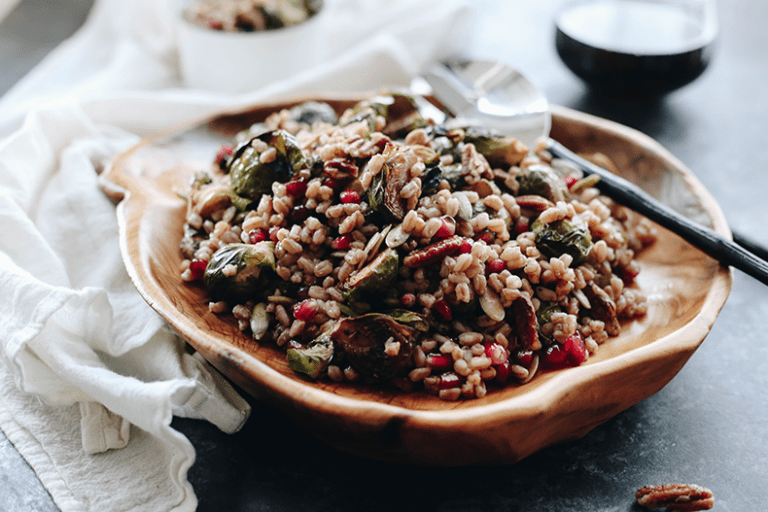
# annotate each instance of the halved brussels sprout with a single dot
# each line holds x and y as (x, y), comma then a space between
(250, 177)
(542, 181)
(313, 360)
(373, 277)
(312, 112)
(376, 345)
(562, 236)
(232, 273)
(501, 151)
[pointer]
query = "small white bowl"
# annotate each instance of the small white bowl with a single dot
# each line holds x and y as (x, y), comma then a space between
(237, 62)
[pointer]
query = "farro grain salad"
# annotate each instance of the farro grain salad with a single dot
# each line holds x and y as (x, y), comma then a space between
(378, 247)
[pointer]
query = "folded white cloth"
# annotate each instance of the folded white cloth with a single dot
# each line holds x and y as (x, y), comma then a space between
(90, 376)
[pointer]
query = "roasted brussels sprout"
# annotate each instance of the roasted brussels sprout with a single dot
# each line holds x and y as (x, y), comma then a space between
(376, 345)
(501, 151)
(384, 193)
(562, 236)
(313, 360)
(232, 274)
(542, 181)
(312, 112)
(373, 277)
(251, 177)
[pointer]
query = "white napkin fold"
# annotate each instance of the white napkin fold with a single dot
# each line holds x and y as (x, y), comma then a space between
(90, 376)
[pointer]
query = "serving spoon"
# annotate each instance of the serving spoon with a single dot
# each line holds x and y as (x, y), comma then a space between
(500, 97)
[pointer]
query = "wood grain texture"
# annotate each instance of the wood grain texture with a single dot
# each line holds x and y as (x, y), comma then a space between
(686, 291)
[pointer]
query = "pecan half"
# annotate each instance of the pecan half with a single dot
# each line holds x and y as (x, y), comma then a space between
(675, 497)
(433, 252)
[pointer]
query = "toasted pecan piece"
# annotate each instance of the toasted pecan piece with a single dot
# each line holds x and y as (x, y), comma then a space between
(687, 497)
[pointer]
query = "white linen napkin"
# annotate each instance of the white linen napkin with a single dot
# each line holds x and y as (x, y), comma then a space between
(90, 376)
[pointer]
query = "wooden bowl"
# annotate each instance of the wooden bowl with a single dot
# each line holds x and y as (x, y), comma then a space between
(686, 290)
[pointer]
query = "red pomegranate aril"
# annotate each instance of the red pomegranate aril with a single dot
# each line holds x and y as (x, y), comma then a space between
(524, 357)
(569, 180)
(447, 228)
(342, 242)
(575, 349)
(555, 357)
(305, 310)
(408, 300)
(496, 266)
(449, 380)
(440, 361)
(443, 309)
(522, 225)
(197, 267)
(333, 183)
(299, 214)
(273, 233)
(258, 235)
(349, 197)
(296, 189)
(502, 372)
(495, 352)
(466, 247)
(485, 236)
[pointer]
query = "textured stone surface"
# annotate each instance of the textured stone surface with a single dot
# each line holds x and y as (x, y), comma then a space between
(708, 426)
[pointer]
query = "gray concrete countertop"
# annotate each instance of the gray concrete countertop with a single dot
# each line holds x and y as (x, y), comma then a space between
(708, 426)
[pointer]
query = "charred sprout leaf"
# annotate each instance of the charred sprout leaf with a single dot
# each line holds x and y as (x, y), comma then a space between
(402, 116)
(409, 318)
(233, 271)
(375, 344)
(313, 360)
(312, 112)
(544, 316)
(251, 177)
(373, 277)
(542, 181)
(501, 151)
(384, 191)
(562, 236)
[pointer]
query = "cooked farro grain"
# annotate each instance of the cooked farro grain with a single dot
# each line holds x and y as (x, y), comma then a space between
(311, 225)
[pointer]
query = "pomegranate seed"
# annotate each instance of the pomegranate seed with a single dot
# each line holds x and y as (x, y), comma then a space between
(296, 189)
(257, 235)
(496, 266)
(342, 243)
(485, 236)
(299, 214)
(349, 197)
(273, 233)
(495, 352)
(305, 310)
(440, 361)
(448, 227)
(522, 225)
(449, 380)
(555, 357)
(443, 309)
(569, 180)
(575, 349)
(629, 273)
(466, 247)
(197, 267)
(524, 357)
(332, 183)
(502, 372)
(221, 156)
(408, 300)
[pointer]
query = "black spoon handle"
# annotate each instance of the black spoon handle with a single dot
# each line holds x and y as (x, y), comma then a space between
(712, 243)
